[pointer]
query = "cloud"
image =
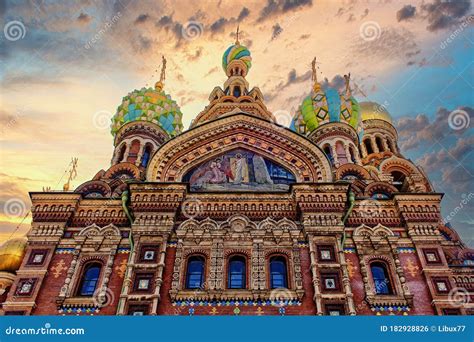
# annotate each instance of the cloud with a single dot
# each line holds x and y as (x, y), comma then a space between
(413, 131)
(197, 54)
(276, 30)
(366, 13)
(443, 14)
(338, 82)
(406, 12)
(220, 24)
(277, 7)
(84, 18)
(142, 18)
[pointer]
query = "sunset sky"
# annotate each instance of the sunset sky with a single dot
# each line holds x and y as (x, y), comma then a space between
(65, 66)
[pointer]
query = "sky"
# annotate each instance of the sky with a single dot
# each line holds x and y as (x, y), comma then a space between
(65, 66)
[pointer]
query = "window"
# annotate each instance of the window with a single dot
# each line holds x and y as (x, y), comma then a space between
(237, 272)
(330, 281)
(25, 287)
(368, 146)
(399, 180)
(195, 272)
(138, 310)
(432, 256)
(37, 257)
(451, 312)
(278, 275)
(143, 282)
(442, 285)
(90, 279)
(335, 309)
(327, 151)
(326, 253)
(381, 278)
(148, 254)
(146, 155)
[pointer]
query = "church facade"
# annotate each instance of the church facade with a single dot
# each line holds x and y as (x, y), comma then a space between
(239, 215)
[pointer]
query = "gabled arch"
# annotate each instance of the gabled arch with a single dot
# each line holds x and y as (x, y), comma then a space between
(294, 152)
(366, 231)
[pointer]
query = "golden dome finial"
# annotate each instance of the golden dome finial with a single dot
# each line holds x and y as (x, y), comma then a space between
(237, 36)
(11, 254)
(314, 77)
(348, 88)
(161, 83)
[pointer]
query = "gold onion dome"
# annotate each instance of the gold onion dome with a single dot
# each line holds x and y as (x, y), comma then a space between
(11, 254)
(374, 111)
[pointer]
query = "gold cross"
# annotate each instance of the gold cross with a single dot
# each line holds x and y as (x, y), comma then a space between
(411, 267)
(121, 268)
(59, 268)
(351, 268)
(214, 311)
(260, 311)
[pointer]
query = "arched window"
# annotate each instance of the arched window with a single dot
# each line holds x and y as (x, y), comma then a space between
(379, 143)
(399, 180)
(237, 273)
(195, 272)
(89, 279)
(327, 151)
(146, 155)
(352, 155)
(278, 275)
(237, 91)
(121, 153)
(381, 278)
(368, 146)
(341, 153)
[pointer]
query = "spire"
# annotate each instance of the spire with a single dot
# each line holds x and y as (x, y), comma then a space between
(161, 83)
(316, 85)
(237, 36)
(348, 88)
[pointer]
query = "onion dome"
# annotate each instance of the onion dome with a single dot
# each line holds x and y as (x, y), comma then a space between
(325, 106)
(374, 111)
(236, 52)
(151, 105)
(11, 254)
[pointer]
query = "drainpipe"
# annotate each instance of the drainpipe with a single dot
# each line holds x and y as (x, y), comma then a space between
(126, 209)
(349, 210)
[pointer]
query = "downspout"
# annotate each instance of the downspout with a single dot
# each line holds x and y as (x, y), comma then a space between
(126, 209)
(348, 213)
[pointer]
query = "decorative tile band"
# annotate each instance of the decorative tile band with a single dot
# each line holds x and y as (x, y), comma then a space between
(65, 250)
(391, 310)
(406, 250)
(123, 250)
(78, 310)
(238, 303)
(349, 250)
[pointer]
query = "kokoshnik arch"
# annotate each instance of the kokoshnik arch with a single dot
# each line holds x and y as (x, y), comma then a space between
(239, 215)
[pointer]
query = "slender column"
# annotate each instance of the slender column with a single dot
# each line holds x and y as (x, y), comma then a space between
(314, 272)
(334, 154)
(140, 154)
(125, 155)
(127, 281)
(374, 144)
(159, 274)
(345, 279)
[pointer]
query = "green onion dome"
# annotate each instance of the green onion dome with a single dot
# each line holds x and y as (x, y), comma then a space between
(151, 105)
(325, 106)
